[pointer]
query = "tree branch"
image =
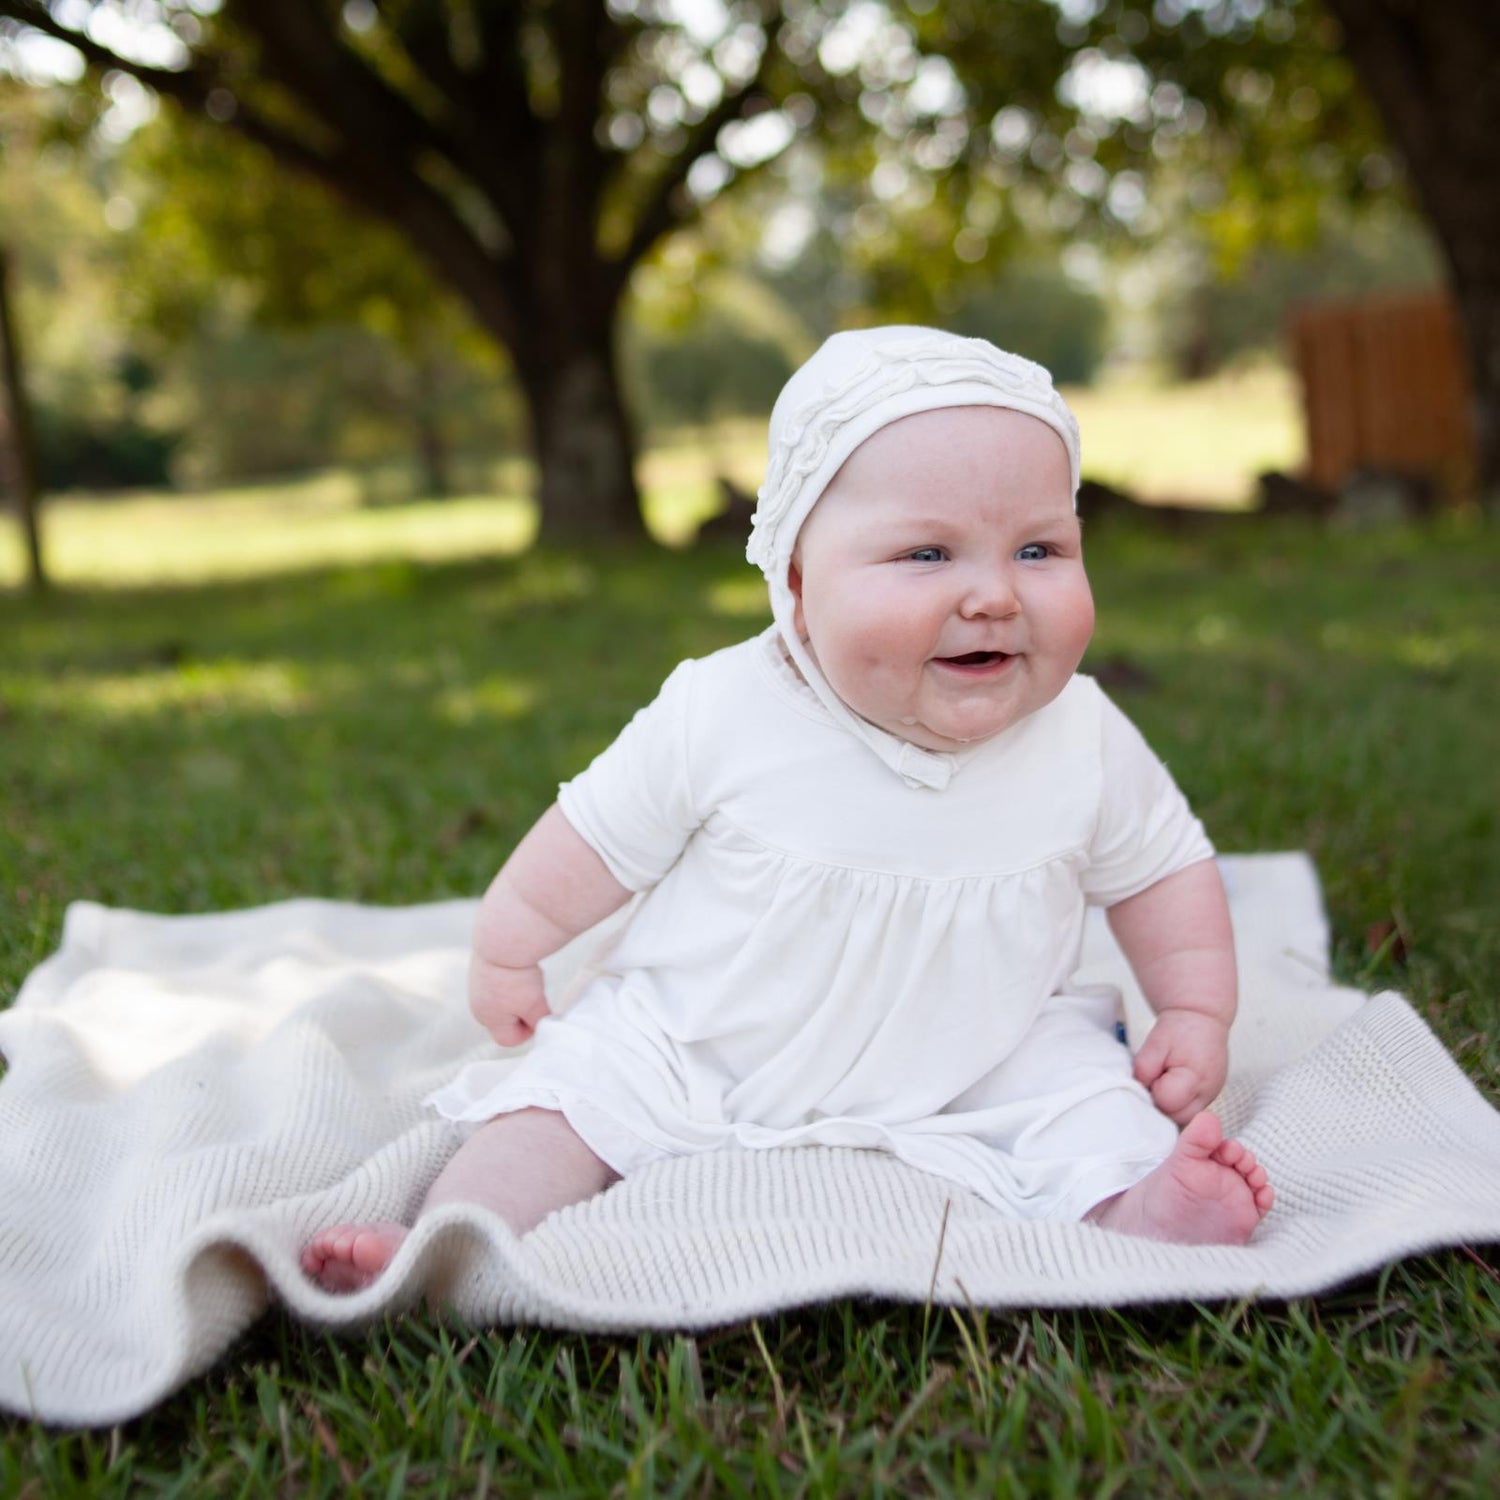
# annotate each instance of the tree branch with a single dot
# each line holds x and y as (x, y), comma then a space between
(300, 49)
(383, 184)
(422, 28)
(659, 213)
(501, 77)
(423, 31)
(500, 96)
(189, 85)
(584, 36)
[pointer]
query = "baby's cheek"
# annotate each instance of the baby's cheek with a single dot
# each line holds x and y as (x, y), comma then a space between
(1073, 630)
(1083, 612)
(885, 665)
(860, 679)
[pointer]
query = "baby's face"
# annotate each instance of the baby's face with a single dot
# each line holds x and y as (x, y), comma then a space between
(939, 580)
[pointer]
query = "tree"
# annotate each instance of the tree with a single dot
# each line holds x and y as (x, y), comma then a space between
(534, 151)
(17, 433)
(476, 130)
(1434, 72)
(208, 256)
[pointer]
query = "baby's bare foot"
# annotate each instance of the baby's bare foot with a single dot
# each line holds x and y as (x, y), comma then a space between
(348, 1257)
(1209, 1191)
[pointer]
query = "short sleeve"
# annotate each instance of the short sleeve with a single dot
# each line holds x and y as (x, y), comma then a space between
(1146, 830)
(634, 805)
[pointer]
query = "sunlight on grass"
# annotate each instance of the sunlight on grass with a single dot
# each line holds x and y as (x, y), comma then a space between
(1200, 444)
(739, 598)
(546, 579)
(268, 687)
(493, 698)
(1213, 631)
(1427, 650)
(234, 534)
(680, 475)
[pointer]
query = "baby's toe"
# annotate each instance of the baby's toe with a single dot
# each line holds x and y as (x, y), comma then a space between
(1202, 1135)
(328, 1247)
(1232, 1153)
(323, 1245)
(341, 1276)
(369, 1250)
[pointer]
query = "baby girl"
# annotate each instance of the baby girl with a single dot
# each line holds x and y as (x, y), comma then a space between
(861, 846)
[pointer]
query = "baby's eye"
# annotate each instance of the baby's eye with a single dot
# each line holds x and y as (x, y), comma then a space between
(1034, 552)
(927, 555)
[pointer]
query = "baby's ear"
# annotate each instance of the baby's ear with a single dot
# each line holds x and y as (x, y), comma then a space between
(794, 582)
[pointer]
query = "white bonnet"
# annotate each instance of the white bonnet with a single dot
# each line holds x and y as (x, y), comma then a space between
(857, 383)
(863, 380)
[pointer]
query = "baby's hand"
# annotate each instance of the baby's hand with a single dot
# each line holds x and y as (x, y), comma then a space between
(508, 1003)
(1183, 1062)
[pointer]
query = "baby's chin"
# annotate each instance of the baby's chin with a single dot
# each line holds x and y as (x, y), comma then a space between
(953, 734)
(926, 737)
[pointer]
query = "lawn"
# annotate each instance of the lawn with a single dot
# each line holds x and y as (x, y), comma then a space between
(385, 729)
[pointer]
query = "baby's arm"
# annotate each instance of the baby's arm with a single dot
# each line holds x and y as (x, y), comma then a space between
(1177, 937)
(553, 887)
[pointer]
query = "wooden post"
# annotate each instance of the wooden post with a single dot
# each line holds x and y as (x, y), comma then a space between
(1384, 386)
(19, 432)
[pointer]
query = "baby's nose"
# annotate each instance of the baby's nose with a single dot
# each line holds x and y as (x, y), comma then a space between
(990, 592)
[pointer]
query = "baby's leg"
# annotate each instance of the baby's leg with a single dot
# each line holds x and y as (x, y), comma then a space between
(522, 1166)
(1209, 1191)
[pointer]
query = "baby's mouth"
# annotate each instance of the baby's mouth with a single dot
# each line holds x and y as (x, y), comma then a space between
(975, 659)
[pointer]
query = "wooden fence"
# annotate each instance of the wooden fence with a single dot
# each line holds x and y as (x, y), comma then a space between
(1384, 386)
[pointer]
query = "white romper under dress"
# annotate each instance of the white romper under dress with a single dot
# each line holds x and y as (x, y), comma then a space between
(825, 954)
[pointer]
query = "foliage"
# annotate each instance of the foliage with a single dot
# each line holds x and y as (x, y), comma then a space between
(81, 446)
(91, 382)
(1038, 311)
(928, 140)
(294, 349)
(387, 732)
(952, 133)
(212, 209)
(1208, 314)
(714, 369)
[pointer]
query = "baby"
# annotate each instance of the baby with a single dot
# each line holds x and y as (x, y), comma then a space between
(862, 844)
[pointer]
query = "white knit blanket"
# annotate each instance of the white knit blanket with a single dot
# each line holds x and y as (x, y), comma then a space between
(188, 1098)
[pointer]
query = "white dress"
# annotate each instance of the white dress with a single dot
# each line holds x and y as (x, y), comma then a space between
(825, 954)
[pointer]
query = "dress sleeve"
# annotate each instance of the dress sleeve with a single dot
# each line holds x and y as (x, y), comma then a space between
(634, 804)
(1146, 830)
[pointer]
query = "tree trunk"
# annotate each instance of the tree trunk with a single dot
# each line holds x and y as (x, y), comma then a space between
(432, 453)
(19, 433)
(1479, 312)
(1433, 71)
(584, 447)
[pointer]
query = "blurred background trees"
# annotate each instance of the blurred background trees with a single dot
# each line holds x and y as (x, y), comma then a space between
(295, 341)
(357, 221)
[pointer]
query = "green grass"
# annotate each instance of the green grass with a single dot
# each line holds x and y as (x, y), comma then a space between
(322, 520)
(1200, 444)
(385, 731)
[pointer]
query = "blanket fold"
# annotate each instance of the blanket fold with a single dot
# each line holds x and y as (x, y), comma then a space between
(188, 1098)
